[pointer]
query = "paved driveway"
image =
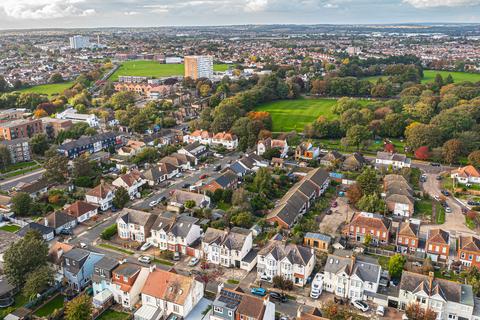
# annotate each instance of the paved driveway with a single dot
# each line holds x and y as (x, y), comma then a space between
(342, 213)
(454, 221)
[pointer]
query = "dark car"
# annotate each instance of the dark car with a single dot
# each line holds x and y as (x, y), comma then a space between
(435, 164)
(67, 232)
(278, 296)
(217, 168)
(329, 212)
(439, 178)
(186, 185)
(445, 193)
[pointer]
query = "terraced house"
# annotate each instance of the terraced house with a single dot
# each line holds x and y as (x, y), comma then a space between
(102, 141)
(408, 237)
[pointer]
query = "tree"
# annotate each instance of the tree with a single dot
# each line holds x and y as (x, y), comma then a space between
(367, 181)
(39, 144)
(40, 113)
(82, 166)
(240, 198)
(3, 84)
(474, 158)
(123, 99)
(422, 153)
(80, 308)
(242, 219)
(395, 265)
(282, 283)
(367, 240)
(427, 266)
(358, 135)
(5, 157)
(262, 183)
(25, 256)
(56, 167)
(354, 193)
(452, 150)
(189, 204)
(415, 311)
(21, 204)
(371, 203)
(419, 134)
(56, 78)
(121, 198)
(37, 281)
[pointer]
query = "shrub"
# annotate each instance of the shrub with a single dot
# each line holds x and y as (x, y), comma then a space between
(109, 232)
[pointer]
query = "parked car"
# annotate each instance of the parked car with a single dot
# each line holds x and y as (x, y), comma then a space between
(67, 232)
(445, 193)
(259, 291)
(448, 210)
(435, 164)
(380, 311)
(153, 203)
(439, 177)
(217, 168)
(193, 262)
(218, 155)
(335, 204)
(186, 185)
(83, 245)
(436, 197)
(204, 176)
(145, 259)
(179, 175)
(278, 296)
(360, 305)
(145, 246)
(329, 212)
(176, 256)
(264, 277)
(473, 203)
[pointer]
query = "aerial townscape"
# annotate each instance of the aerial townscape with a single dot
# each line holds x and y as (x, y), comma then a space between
(221, 160)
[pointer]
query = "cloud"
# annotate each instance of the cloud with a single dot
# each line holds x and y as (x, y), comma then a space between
(44, 9)
(256, 5)
(131, 13)
(441, 3)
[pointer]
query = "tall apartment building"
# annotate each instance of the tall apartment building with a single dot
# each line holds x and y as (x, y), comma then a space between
(79, 42)
(198, 67)
(19, 149)
(20, 128)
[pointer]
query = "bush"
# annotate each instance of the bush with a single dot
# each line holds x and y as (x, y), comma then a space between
(83, 182)
(109, 232)
(165, 254)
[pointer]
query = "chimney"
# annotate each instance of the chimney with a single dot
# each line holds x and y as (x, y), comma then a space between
(45, 222)
(431, 276)
(220, 287)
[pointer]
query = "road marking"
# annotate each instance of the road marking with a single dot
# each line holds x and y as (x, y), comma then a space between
(82, 234)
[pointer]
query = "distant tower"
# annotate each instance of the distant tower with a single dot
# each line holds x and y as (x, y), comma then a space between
(98, 39)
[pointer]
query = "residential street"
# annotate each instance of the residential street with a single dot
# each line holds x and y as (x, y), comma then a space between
(26, 178)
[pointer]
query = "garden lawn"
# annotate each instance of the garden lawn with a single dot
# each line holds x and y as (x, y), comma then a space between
(288, 115)
(147, 68)
(49, 89)
(20, 301)
(112, 247)
(48, 308)
(113, 315)
(423, 208)
(10, 228)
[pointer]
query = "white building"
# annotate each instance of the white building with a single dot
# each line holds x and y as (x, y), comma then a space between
(350, 278)
(165, 293)
(131, 181)
(79, 42)
(227, 247)
(395, 160)
(467, 174)
(290, 261)
(102, 195)
(135, 225)
(74, 116)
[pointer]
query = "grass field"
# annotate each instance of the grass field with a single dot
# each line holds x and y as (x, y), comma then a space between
(48, 308)
(49, 89)
(114, 315)
(10, 228)
(429, 76)
(288, 115)
(147, 68)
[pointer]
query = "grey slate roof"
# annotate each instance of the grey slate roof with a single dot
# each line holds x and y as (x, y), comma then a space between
(294, 253)
(319, 236)
(42, 229)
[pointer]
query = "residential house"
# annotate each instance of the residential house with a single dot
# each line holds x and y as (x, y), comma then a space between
(102, 280)
(375, 225)
(299, 198)
(255, 308)
(332, 159)
(398, 195)
(131, 148)
(183, 161)
(19, 150)
(60, 221)
(34, 189)
(469, 251)
(93, 144)
(247, 164)
(227, 247)
(448, 299)
(351, 277)
(82, 210)
(135, 225)
(228, 140)
(102, 196)
(407, 237)
(290, 261)
(55, 258)
(318, 241)
(194, 150)
(132, 182)
(166, 293)
(176, 233)
(312, 314)
(468, 174)
(180, 197)
(78, 267)
(394, 160)
(438, 244)
(160, 173)
(201, 136)
(227, 180)
(73, 115)
(354, 162)
(266, 144)
(127, 282)
(306, 151)
(47, 233)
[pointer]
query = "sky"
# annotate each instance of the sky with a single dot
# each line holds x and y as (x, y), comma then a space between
(149, 13)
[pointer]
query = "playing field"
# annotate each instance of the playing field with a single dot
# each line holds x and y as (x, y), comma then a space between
(49, 89)
(288, 115)
(429, 76)
(147, 68)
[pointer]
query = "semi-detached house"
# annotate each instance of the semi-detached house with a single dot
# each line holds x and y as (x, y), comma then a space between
(135, 225)
(102, 196)
(438, 244)
(469, 251)
(131, 181)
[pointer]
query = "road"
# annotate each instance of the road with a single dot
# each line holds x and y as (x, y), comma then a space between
(454, 221)
(190, 177)
(25, 178)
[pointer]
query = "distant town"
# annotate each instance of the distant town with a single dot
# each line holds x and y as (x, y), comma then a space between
(270, 172)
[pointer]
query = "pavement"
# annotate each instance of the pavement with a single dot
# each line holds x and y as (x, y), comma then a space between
(25, 178)
(190, 177)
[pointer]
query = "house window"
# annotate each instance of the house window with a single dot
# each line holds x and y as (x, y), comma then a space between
(400, 239)
(176, 308)
(218, 309)
(430, 247)
(413, 241)
(444, 250)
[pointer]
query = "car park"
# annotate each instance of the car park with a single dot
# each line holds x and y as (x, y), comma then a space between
(193, 262)
(360, 305)
(146, 246)
(259, 291)
(145, 259)
(278, 296)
